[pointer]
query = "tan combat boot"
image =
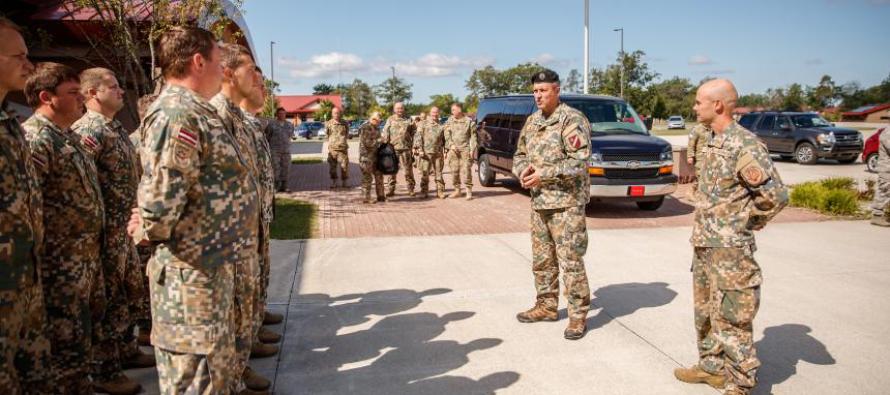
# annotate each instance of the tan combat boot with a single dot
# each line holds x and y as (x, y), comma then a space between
(880, 220)
(270, 318)
(440, 193)
(120, 385)
(424, 194)
(576, 329)
(138, 360)
(455, 194)
(695, 375)
(260, 350)
(469, 193)
(537, 313)
(381, 198)
(268, 336)
(411, 192)
(391, 193)
(254, 381)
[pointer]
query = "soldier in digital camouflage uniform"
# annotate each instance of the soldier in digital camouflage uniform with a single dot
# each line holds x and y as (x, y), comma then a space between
(460, 141)
(399, 131)
(280, 132)
(698, 138)
(24, 347)
(73, 216)
(430, 147)
(369, 142)
(338, 147)
(199, 205)
(551, 161)
(882, 187)
(739, 191)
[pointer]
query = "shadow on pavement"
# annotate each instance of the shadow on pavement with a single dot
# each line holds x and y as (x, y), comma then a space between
(619, 300)
(781, 349)
(395, 355)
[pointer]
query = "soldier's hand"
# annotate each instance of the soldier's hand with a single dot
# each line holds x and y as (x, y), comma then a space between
(134, 224)
(529, 178)
(690, 161)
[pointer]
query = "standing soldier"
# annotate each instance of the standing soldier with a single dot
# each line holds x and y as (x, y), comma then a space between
(338, 146)
(369, 142)
(74, 219)
(698, 138)
(460, 141)
(107, 144)
(551, 161)
(399, 131)
(198, 204)
(279, 133)
(430, 144)
(143, 305)
(739, 191)
(24, 356)
(882, 190)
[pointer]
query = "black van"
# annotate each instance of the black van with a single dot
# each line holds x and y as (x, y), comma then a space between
(626, 162)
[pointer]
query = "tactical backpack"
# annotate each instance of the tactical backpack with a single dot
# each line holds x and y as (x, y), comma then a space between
(387, 159)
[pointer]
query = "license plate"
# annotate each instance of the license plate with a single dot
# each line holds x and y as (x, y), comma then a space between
(636, 191)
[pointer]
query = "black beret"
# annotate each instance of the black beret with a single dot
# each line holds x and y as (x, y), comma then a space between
(545, 75)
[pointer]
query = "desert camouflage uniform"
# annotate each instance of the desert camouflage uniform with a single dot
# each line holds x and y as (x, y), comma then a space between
(279, 134)
(399, 131)
(199, 205)
(338, 146)
(882, 188)
(738, 192)
(267, 203)
(430, 142)
(108, 145)
(460, 141)
(24, 346)
(142, 309)
(73, 217)
(369, 142)
(698, 138)
(558, 146)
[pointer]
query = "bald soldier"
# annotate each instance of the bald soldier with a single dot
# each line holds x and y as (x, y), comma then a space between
(399, 131)
(739, 191)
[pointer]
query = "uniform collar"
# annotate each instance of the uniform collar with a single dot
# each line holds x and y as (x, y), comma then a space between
(189, 94)
(721, 138)
(42, 120)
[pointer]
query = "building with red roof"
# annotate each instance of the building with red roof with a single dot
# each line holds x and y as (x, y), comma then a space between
(869, 113)
(303, 106)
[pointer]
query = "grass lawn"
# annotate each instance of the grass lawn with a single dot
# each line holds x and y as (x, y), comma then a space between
(294, 219)
(303, 160)
(672, 132)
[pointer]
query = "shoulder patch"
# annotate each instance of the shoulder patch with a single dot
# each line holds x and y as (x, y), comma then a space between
(187, 137)
(38, 159)
(753, 175)
(90, 143)
(575, 140)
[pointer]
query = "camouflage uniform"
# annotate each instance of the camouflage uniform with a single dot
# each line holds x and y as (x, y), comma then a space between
(460, 140)
(399, 131)
(430, 142)
(108, 145)
(279, 134)
(24, 347)
(882, 188)
(739, 191)
(698, 138)
(73, 217)
(267, 203)
(338, 146)
(198, 202)
(369, 142)
(558, 146)
(142, 309)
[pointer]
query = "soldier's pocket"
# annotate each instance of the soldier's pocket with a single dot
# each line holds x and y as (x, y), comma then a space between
(736, 268)
(740, 306)
(199, 294)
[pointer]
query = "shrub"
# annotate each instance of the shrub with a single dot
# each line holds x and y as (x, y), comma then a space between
(834, 196)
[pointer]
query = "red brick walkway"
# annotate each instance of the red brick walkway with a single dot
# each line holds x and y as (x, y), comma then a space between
(503, 208)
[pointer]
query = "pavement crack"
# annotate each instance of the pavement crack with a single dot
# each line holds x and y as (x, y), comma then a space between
(297, 272)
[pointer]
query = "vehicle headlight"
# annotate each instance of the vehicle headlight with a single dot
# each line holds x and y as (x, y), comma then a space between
(826, 138)
(595, 157)
(666, 155)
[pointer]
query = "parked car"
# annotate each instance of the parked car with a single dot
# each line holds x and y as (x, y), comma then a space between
(626, 162)
(870, 152)
(676, 122)
(354, 126)
(308, 130)
(804, 137)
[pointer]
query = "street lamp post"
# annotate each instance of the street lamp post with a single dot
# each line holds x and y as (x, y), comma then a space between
(621, 59)
(392, 86)
(272, 60)
(586, 46)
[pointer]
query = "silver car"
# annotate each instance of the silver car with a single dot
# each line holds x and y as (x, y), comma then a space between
(676, 122)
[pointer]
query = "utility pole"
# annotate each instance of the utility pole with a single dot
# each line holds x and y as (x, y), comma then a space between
(392, 86)
(272, 61)
(621, 59)
(586, 46)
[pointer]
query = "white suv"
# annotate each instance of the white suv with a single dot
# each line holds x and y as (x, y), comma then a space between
(676, 122)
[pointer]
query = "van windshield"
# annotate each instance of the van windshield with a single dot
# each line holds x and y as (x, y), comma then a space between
(610, 117)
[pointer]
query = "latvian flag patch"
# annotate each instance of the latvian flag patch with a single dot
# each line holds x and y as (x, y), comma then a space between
(187, 137)
(91, 143)
(38, 159)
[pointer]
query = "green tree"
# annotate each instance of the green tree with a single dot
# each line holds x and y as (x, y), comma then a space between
(271, 103)
(392, 91)
(444, 102)
(573, 82)
(324, 111)
(322, 89)
(823, 95)
(794, 98)
(358, 98)
(637, 77)
(489, 81)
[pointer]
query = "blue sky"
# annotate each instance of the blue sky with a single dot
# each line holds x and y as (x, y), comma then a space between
(435, 45)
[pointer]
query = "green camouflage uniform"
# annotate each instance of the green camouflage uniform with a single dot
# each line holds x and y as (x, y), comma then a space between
(267, 203)
(279, 134)
(24, 347)
(198, 202)
(399, 131)
(738, 192)
(369, 142)
(698, 138)
(430, 142)
(73, 217)
(460, 141)
(882, 188)
(558, 146)
(108, 145)
(142, 309)
(338, 146)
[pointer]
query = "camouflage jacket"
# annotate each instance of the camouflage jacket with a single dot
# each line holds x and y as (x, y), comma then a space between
(698, 138)
(430, 139)
(369, 142)
(197, 198)
(109, 146)
(279, 135)
(399, 132)
(338, 135)
(264, 165)
(21, 209)
(557, 146)
(72, 197)
(460, 133)
(739, 190)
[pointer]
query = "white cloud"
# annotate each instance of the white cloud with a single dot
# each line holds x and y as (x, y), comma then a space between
(700, 60)
(324, 65)
(429, 65)
(439, 65)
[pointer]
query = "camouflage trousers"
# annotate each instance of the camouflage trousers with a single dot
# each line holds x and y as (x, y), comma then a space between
(433, 163)
(192, 327)
(370, 174)
(726, 293)
(406, 166)
(338, 160)
(265, 267)
(882, 195)
(461, 164)
(246, 315)
(559, 242)
(24, 346)
(281, 165)
(73, 289)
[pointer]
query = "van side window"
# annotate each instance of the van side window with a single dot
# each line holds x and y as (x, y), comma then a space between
(767, 122)
(747, 121)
